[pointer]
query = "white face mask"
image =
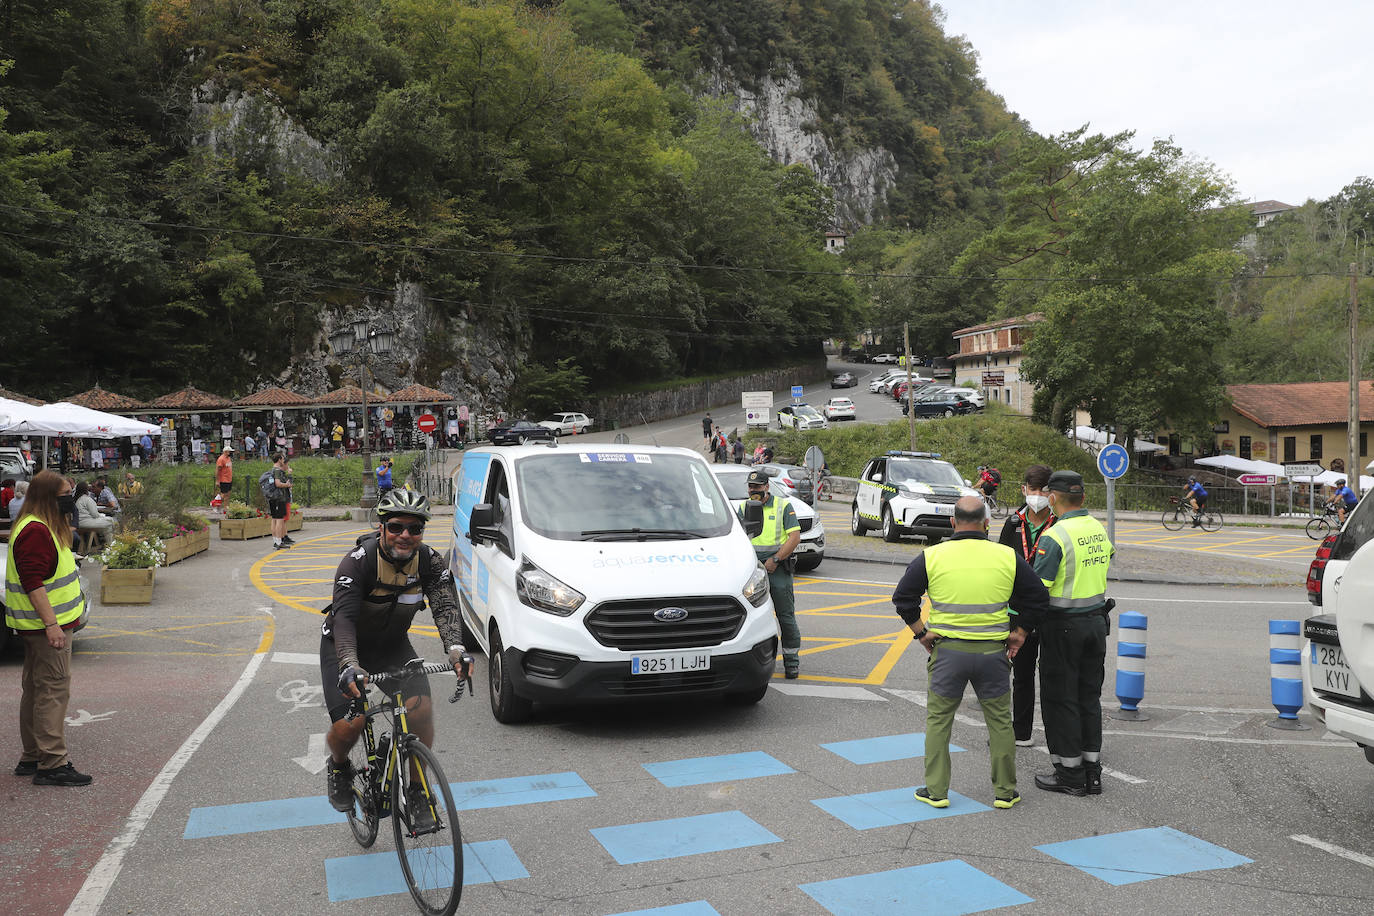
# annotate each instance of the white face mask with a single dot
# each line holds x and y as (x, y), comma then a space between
(1037, 503)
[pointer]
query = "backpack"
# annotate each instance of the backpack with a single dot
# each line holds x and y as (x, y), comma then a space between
(996, 476)
(269, 489)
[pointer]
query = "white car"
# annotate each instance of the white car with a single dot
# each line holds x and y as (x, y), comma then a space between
(885, 358)
(800, 416)
(567, 423)
(881, 382)
(839, 409)
(811, 551)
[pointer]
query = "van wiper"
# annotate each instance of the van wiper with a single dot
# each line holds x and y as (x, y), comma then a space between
(638, 534)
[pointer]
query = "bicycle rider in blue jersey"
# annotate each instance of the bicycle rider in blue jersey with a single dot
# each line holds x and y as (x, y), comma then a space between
(1196, 497)
(1344, 499)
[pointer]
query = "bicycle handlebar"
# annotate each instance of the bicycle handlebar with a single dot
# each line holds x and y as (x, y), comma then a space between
(414, 668)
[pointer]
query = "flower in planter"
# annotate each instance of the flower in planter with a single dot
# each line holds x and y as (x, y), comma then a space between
(133, 550)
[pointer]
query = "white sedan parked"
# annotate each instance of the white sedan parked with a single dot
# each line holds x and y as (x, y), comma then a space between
(567, 423)
(839, 409)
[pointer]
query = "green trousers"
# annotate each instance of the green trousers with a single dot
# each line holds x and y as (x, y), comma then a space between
(954, 664)
(785, 608)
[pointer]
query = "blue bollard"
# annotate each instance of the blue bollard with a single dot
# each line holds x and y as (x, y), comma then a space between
(1285, 674)
(1130, 666)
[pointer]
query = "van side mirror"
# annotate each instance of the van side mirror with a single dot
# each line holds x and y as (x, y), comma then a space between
(482, 523)
(753, 518)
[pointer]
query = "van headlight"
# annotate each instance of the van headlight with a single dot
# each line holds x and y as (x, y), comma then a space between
(756, 589)
(543, 592)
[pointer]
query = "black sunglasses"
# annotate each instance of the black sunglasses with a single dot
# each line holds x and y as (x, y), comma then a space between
(414, 528)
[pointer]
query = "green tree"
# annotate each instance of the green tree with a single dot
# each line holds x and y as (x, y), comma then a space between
(541, 389)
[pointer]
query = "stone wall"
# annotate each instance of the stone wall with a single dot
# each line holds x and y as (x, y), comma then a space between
(649, 406)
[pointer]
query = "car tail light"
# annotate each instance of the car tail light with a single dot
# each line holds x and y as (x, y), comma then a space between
(1314, 572)
(786, 482)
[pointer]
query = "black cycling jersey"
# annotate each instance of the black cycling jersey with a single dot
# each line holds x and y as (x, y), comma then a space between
(375, 600)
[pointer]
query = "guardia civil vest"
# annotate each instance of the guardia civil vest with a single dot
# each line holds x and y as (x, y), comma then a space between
(63, 588)
(970, 581)
(773, 533)
(1080, 583)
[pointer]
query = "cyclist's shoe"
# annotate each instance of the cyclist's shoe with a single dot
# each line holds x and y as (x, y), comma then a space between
(338, 782)
(418, 807)
(1197, 523)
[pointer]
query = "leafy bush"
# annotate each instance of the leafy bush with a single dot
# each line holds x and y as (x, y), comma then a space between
(133, 550)
(235, 509)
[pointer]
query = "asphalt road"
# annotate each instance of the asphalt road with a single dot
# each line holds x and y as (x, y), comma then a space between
(199, 716)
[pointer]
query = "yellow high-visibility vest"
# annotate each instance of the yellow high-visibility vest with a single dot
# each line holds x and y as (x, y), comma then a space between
(1080, 583)
(63, 588)
(970, 582)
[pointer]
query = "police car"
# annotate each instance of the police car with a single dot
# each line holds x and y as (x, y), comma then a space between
(908, 493)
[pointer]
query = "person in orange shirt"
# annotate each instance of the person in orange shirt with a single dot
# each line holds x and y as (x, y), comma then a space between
(224, 471)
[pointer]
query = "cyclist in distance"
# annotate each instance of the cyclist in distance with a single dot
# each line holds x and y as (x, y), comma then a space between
(1343, 500)
(1196, 497)
(988, 480)
(378, 589)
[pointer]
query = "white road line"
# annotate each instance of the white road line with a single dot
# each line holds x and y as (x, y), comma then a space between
(1214, 601)
(295, 658)
(102, 876)
(1106, 771)
(845, 581)
(1361, 858)
(1218, 739)
(834, 693)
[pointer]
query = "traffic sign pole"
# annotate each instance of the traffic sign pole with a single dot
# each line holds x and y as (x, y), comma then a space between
(1111, 510)
(1113, 461)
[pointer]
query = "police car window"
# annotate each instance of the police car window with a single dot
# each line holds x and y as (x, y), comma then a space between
(574, 496)
(915, 470)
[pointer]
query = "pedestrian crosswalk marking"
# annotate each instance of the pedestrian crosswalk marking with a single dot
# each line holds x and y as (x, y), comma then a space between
(952, 886)
(378, 873)
(1141, 855)
(882, 749)
(891, 807)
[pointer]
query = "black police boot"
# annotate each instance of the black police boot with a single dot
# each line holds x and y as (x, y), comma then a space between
(1092, 775)
(1069, 780)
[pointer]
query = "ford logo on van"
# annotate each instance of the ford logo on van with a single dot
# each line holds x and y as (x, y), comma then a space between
(670, 614)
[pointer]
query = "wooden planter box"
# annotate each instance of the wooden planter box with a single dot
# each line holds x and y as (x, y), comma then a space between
(187, 545)
(294, 521)
(126, 586)
(241, 529)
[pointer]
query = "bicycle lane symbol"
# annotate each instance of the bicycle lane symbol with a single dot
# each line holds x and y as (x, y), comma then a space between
(300, 694)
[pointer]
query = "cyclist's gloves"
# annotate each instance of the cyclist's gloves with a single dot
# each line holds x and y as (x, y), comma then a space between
(350, 675)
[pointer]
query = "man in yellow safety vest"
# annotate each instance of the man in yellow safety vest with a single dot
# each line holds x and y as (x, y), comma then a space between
(773, 546)
(984, 600)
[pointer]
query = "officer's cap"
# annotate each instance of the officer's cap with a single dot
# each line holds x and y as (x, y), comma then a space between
(1066, 482)
(757, 478)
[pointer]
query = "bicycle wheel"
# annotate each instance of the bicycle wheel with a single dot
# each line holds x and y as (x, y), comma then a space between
(1211, 521)
(999, 508)
(431, 855)
(362, 820)
(1174, 519)
(1319, 527)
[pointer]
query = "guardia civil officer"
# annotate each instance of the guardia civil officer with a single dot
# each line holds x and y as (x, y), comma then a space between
(1072, 559)
(984, 599)
(774, 545)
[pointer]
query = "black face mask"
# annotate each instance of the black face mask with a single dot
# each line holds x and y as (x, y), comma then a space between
(66, 504)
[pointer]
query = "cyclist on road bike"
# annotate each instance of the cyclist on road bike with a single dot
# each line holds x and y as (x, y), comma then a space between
(989, 479)
(1343, 500)
(378, 589)
(1196, 498)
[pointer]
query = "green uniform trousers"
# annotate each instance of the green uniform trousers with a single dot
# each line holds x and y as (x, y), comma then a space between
(1073, 655)
(953, 665)
(785, 608)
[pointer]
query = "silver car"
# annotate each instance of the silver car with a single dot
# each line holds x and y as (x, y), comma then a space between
(811, 551)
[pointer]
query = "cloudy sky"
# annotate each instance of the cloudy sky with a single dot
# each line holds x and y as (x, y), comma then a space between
(1277, 95)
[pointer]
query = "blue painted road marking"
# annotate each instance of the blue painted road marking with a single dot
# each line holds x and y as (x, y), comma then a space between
(519, 790)
(696, 771)
(695, 908)
(378, 873)
(253, 817)
(892, 806)
(285, 813)
(941, 888)
(682, 836)
(881, 750)
(1140, 855)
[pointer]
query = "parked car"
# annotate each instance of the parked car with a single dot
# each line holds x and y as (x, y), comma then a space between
(796, 480)
(879, 383)
(519, 433)
(839, 409)
(885, 358)
(567, 423)
(945, 405)
(811, 551)
(974, 395)
(800, 416)
(14, 464)
(844, 380)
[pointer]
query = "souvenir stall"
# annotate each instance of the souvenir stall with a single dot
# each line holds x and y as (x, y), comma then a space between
(410, 403)
(109, 453)
(194, 424)
(287, 420)
(344, 406)
(67, 421)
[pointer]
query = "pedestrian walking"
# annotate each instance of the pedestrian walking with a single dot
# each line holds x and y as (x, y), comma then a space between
(738, 450)
(224, 472)
(1021, 533)
(707, 424)
(773, 546)
(1072, 559)
(984, 599)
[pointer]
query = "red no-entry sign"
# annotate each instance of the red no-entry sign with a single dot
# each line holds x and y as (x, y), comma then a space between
(426, 423)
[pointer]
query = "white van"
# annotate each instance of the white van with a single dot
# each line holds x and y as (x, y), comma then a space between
(594, 573)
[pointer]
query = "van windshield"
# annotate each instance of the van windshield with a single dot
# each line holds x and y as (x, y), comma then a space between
(620, 496)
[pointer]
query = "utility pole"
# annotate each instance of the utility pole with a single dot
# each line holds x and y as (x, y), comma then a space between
(910, 407)
(1352, 426)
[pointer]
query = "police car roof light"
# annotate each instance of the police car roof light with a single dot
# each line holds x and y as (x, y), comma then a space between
(898, 453)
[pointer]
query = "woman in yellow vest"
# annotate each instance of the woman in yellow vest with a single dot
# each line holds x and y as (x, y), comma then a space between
(43, 601)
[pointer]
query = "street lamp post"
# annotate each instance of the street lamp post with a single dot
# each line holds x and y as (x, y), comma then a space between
(360, 343)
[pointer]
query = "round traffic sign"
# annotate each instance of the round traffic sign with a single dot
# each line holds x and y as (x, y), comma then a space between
(1113, 461)
(426, 423)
